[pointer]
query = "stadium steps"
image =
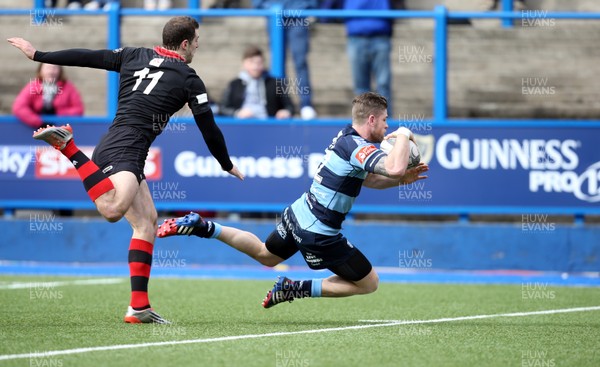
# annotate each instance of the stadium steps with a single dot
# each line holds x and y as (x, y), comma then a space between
(71, 32)
(486, 63)
(487, 74)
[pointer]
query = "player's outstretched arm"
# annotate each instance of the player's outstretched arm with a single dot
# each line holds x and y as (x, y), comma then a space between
(25, 46)
(97, 59)
(215, 141)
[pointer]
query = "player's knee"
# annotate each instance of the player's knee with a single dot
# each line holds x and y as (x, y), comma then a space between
(267, 258)
(372, 284)
(153, 218)
(153, 228)
(113, 216)
(112, 213)
(268, 261)
(145, 226)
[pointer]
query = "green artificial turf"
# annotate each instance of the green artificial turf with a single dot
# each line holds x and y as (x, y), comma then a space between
(41, 318)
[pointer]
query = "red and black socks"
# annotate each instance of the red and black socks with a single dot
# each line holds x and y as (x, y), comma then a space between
(140, 263)
(95, 182)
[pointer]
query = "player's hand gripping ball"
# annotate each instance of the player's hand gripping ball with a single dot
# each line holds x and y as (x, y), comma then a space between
(414, 154)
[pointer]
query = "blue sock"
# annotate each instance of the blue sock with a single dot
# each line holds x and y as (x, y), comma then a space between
(306, 288)
(315, 290)
(217, 230)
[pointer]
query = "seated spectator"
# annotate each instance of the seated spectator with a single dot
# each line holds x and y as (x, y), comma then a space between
(77, 4)
(50, 93)
(71, 4)
(254, 93)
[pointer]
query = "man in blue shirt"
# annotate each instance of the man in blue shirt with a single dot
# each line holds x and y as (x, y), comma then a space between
(369, 47)
(312, 223)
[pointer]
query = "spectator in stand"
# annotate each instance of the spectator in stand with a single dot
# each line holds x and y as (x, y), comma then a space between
(226, 4)
(77, 4)
(296, 39)
(50, 93)
(98, 4)
(71, 4)
(157, 4)
(331, 5)
(369, 47)
(254, 93)
(518, 5)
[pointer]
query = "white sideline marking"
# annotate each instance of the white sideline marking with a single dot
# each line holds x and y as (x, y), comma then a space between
(378, 321)
(21, 285)
(284, 333)
(461, 318)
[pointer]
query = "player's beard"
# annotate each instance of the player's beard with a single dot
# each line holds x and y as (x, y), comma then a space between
(379, 137)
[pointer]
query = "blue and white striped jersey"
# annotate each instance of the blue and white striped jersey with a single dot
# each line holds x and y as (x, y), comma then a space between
(337, 182)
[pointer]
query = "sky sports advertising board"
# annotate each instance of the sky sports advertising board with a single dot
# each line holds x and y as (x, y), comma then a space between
(469, 166)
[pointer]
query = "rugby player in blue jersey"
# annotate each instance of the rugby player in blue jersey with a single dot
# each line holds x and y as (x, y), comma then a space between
(312, 223)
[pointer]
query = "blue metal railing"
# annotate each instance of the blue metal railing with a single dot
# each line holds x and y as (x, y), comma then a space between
(440, 76)
(333, 121)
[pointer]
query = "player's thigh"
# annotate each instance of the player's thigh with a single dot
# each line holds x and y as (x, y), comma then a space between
(281, 243)
(142, 214)
(114, 206)
(121, 153)
(356, 268)
(126, 186)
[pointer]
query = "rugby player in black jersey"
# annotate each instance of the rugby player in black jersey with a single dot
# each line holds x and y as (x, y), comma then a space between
(154, 84)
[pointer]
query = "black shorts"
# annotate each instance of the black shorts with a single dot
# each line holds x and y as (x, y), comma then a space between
(335, 253)
(123, 148)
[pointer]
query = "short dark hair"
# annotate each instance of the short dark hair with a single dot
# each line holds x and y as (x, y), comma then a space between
(367, 104)
(178, 29)
(252, 51)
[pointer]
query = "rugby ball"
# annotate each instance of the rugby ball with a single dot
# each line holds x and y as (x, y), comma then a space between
(414, 156)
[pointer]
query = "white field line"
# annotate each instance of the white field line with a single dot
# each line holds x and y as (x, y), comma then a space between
(285, 333)
(21, 285)
(462, 318)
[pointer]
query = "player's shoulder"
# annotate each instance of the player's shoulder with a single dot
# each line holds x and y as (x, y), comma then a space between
(354, 148)
(351, 140)
(344, 144)
(190, 72)
(128, 50)
(192, 79)
(359, 141)
(131, 54)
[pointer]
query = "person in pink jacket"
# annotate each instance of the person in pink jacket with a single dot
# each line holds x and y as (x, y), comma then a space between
(50, 93)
